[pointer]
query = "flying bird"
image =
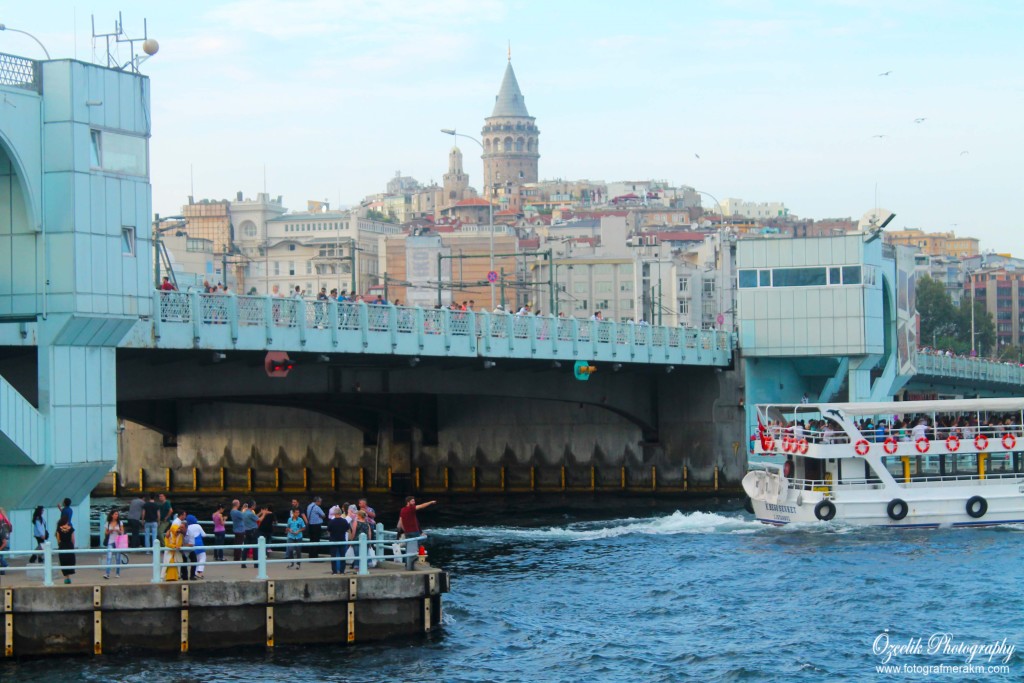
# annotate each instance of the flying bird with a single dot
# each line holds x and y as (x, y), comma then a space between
(885, 73)
(696, 155)
(880, 136)
(964, 152)
(921, 119)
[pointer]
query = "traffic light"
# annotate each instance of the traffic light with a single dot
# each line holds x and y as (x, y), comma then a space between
(278, 364)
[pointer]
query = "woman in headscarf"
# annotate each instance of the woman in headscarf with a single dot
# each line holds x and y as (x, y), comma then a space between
(196, 548)
(173, 540)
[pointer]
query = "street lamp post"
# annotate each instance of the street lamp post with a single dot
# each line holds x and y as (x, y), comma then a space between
(15, 30)
(490, 212)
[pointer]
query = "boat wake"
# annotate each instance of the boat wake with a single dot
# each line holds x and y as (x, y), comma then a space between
(675, 523)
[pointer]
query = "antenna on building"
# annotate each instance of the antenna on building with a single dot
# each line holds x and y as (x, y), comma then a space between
(117, 37)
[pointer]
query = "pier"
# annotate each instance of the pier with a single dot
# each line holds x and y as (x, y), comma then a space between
(266, 604)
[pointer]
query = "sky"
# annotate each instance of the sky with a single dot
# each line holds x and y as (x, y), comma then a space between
(781, 101)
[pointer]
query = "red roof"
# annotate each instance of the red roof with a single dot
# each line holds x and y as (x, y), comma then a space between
(529, 243)
(473, 201)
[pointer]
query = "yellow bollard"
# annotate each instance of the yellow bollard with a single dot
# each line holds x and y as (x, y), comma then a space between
(533, 478)
(716, 477)
(334, 478)
(277, 478)
(502, 477)
(305, 478)
(445, 478)
(389, 478)
(654, 478)
(685, 484)
(248, 475)
(563, 477)
(167, 475)
(593, 478)
(362, 479)
(417, 483)
(223, 479)
(623, 478)
(142, 480)
(472, 471)
(113, 483)
(195, 479)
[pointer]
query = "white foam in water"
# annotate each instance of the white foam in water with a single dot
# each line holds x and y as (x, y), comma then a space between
(676, 523)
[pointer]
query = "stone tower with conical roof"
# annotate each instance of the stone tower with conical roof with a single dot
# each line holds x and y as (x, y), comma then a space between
(510, 139)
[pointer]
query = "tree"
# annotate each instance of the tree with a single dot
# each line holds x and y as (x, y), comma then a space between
(945, 326)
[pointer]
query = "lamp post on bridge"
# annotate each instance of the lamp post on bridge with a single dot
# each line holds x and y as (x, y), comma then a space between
(4, 27)
(490, 211)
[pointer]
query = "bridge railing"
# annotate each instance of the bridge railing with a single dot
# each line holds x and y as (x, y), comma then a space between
(195, 319)
(978, 369)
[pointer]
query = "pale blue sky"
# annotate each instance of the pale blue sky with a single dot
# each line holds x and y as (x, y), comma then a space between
(779, 99)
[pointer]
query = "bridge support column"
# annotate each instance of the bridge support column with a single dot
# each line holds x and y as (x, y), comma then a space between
(396, 450)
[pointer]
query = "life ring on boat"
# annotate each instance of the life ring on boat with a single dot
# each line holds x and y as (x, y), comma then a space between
(981, 442)
(890, 445)
(862, 447)
(787, 444)
(952, 443)
(825, 510)
(801, 446)
(897, 509)
(922, 444)
(1009, 441)
(768, 443)
(977, 507)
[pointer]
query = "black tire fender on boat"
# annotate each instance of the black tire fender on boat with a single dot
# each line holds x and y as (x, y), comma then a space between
(977, 507)
(897, 509)
(748, 505)
(825, 510)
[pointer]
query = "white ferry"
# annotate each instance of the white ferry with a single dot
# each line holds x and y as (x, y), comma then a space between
(899, 464)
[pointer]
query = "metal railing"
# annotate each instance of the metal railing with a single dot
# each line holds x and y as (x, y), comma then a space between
(385, 546)
(407, 329)
(18, 72)
(978, 369)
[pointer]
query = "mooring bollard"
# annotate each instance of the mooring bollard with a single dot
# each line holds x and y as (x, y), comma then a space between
(261, 557)
(156, 561)
(363, 569)
(47, 564)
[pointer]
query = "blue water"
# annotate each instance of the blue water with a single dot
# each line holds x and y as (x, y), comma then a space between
(657, 596)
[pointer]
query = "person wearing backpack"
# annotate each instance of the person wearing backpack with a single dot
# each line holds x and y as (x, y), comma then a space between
(39, 532)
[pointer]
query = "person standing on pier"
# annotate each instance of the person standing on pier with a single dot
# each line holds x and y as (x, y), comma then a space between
(237, 528)
(337, 531)
(114, 531)
(219, 532)
(166, 515)
(66, 543)
(196, 553)
(315, 520)
(39, 532)
(135, 520)
(409, 525)
(150, 519)
(295, 527)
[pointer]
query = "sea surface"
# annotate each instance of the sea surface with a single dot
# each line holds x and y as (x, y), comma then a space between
(642, 590)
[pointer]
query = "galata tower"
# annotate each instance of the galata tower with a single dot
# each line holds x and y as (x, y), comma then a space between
(510, 139)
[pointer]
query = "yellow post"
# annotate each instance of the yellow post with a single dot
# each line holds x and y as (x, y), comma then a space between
(654, 478)
(417, 484)
(113, 483)
(277, 478)
(472, 471)
(167, 476)
(305, 478)
(685, 483)
(248, 476)
(362, 479)
(716, 477)
(906, 468)
(195, 479)
(593, 478)
(223, 479)
(389, 478)
(563, 477)
(982, 457)
(445, 478)
(502, 477)
(622, 477)
(142, 480)
(334, 478)
(533, 478)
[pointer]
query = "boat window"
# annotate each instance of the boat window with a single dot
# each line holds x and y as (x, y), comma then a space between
(894, 464)
(928, 465)
(962, 463)
(999, 463)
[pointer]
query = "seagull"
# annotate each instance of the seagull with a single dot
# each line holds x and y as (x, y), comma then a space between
(964, 152)
(885, 73)
(696, 155)
(880, 136)
(921, 119)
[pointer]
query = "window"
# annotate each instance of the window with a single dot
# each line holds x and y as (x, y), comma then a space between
(765, 278)
(291, 247)
(118, 153)
(851, 275)
(309, 267)
(626, 286)
(291, 267)
(748, 279)
(709, 287)
(798, 277)
(94, 150)
(601, 304)
(579, 287)
(603, 287)
(684, 285)
(626, 304)
(834, 277)
(277, 267)
(581, 305)
(128, 241)
(684, 307)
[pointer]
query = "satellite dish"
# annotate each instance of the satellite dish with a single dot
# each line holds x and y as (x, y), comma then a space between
(875, 219)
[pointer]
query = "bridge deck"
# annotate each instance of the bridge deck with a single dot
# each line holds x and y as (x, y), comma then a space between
(227, 322)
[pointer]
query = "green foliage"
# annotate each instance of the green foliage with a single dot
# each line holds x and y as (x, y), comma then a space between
(945, 326)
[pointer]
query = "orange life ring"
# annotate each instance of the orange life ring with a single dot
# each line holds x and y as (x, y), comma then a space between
(862, 447)
(890, 445)
(981, 442)
(1009, 441)
(801, 446)
(952, 443)
(768, 443)
(923, 444)
(787, 443)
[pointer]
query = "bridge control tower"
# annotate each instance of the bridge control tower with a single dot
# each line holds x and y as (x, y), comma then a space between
(75, 208)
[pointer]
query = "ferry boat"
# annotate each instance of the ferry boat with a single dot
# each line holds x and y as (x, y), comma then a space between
(896, 464)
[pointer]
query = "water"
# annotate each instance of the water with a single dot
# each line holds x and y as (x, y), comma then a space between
(549, 594)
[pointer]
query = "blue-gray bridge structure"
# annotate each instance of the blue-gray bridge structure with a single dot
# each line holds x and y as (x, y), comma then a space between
(195, 320)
